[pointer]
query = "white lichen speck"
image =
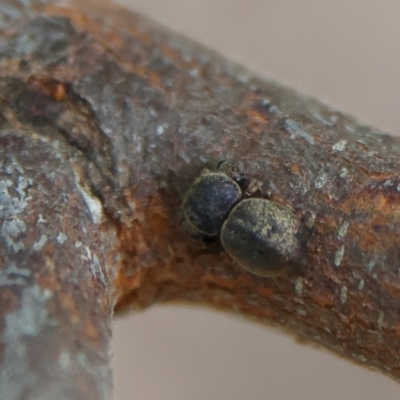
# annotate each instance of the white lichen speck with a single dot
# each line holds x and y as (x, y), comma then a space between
(344, 172)
(339, 256)
(343, 294)
(61, 237)
(299, 286)
(321, 180)
(295, 131)
(343, 230)
(40, 243)
(339, 146)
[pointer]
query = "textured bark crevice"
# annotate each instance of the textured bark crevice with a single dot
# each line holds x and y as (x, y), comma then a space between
(106, 120)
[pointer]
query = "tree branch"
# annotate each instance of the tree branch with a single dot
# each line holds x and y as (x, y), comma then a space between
(105, 122)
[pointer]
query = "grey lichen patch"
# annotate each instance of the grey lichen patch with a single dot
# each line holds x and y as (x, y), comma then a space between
(319, 118)
(349, 128)
(160, 130)
(13, 227)
(23, 184)
(88, 255)
(40, 243)
(185, 157)
(275, 110)
(14, 165)
(12, 275)
(339, 146)
(95, 267)
(45, 38)
(339, 256)
(61, 237)
(371, 265)
(31, 317)
(360, 357)
(343, 294)
(295, 131)
(96, 270)
(342, 232)
(321, 180)
(29, 320)
(361, 282)
(388, 183)
(344, 172)
(41, 220)
(299, 286)
(13, 269)
(4, 196)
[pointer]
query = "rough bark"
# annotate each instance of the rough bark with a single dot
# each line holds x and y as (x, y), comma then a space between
(105, 122)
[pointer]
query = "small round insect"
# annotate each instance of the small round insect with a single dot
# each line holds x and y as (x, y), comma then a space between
(210, 199)
(262, 236)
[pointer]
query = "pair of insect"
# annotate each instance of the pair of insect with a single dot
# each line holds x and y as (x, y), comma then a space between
(262, 236)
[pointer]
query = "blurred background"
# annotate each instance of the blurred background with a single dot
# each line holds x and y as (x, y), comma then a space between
(347, 54)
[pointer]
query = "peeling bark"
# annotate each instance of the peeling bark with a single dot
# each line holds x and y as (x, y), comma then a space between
(105, 121)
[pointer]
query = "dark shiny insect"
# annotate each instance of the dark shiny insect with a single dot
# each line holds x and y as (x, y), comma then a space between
(263, 237)
(209, 201)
